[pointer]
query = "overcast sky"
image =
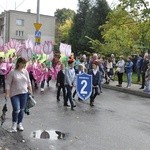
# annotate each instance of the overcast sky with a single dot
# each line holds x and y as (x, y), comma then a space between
(47, 7)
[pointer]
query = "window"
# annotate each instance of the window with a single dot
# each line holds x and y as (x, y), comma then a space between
(19, 33)
(20, 22)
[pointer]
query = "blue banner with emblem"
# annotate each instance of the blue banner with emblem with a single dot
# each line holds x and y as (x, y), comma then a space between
(84, 86)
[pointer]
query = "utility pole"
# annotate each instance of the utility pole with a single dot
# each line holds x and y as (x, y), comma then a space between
(38, 12)
(4, 33)
(38, 25)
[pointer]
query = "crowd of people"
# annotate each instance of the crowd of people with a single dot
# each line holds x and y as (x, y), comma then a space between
(17, 73)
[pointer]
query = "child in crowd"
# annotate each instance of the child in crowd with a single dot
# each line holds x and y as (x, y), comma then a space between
(96, 76)
(60, 82)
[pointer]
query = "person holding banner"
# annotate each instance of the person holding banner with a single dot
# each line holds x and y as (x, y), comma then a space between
(69, 83)
(80, 70)
(96, 79)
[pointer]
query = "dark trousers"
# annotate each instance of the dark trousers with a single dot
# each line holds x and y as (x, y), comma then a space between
(120, 78)
(143, 80)
(64, 92)
(2, 81)
(94, 94)
(43, 83)
(69, 95)
(32, 79)
(74, 93)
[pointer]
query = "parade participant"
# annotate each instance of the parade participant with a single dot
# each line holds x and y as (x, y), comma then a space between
(30, 69)
(60, 83)
(120, 70)
(69, 83)
(76, 64)
(96, 79)
(44, 72)
(93, 59)
(17, 87)
(129, 70)
(79, 71)
(3, 70)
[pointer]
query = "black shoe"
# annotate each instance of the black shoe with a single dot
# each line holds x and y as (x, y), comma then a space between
(72, 108)
(58, 99)
(79, 99)
(67, 105)
(91, 104)
(141, 88)
(36, 87)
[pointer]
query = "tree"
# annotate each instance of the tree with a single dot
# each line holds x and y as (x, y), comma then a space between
(78, 25)
(96, 17)
(120, 34)
(61, 16)
(127, 29)
(65, 30)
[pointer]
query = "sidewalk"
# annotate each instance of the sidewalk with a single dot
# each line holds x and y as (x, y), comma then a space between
(133, 90)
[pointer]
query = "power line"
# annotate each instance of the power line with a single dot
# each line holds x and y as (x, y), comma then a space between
(2, 7)
(19, 4)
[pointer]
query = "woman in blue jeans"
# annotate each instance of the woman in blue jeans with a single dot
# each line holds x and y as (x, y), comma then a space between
(129, 70)
(17, 87)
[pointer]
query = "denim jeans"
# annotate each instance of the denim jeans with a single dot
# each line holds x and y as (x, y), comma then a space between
(129, 79)
(138, 74)
(69, 95)
(18, 104)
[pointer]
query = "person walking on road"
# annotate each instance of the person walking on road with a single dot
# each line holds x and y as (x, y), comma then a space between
(96, 78)
(18, 85)
(69, 83)
(60, 83)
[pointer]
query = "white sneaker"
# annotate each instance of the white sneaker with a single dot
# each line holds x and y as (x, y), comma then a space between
(20, 127)
(14, 127)
(42, 89)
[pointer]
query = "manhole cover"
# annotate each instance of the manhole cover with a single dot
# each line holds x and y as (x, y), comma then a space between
(48, 134)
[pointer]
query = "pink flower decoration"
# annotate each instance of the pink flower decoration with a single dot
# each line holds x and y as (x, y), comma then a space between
(47, 47)
(50, 56)
(38, 49)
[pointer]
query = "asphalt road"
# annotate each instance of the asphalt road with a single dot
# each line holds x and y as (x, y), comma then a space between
(118, 121)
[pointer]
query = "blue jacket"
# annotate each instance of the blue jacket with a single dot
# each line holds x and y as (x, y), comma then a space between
(129, 67)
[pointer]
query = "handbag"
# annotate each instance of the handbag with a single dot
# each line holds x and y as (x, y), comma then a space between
(30, 103)
(118, 69)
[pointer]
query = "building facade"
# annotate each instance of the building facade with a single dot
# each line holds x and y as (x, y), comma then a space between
(20, 26)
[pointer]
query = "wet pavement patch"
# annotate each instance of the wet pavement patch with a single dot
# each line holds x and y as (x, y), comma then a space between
(48, 134)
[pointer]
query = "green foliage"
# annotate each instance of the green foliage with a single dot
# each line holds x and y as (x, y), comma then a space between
(78, 26)
(62, 15)
(123, 33)
(64, 30)
(89, 17)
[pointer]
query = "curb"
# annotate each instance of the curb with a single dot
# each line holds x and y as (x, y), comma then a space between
(125, 90)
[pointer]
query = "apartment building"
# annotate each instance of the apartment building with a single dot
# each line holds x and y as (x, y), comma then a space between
(20, 26)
